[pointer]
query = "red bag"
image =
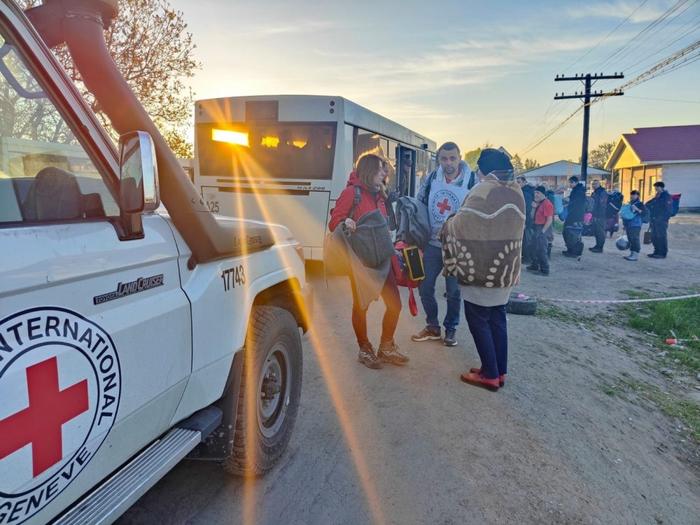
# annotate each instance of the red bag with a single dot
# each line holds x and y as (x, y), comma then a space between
(405, 274)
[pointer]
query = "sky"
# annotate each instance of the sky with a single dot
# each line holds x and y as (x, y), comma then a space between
(470, 72)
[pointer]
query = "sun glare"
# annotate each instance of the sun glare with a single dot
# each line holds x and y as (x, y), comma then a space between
(237, 138)
(332, 381)
(269, 141)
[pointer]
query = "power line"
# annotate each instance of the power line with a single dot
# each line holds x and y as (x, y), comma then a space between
(687, 56)
(653, 34)
(587, 95)
(562, 108)
(667, 64)
(646, 58)
(645, 30)
(680, 65)
(551, 115)
(618, 26)
(666, 99)
(553, 131)
(677, 60)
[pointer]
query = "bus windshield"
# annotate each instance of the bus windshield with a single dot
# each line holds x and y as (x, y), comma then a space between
(267, 150)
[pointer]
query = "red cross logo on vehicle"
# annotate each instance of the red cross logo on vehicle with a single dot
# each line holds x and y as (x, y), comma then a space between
(40, 423)
(444, 206)
(60, 387)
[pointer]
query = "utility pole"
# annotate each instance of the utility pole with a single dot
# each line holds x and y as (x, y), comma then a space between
(588, 79)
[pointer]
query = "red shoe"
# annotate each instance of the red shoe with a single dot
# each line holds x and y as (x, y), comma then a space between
(480, 381)
(501, 378)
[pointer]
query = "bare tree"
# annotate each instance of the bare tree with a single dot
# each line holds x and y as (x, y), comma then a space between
(151, 46)
(531, 164)
(599, 156)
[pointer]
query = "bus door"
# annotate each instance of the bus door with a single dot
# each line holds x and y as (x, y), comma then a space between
(405, 171)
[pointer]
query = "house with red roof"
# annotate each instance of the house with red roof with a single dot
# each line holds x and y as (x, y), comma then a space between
(666, 153)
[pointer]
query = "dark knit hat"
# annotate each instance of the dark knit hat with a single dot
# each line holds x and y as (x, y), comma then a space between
(493, 160)
(541, 189)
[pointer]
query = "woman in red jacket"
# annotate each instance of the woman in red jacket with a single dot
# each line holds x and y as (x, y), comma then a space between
(369, 174)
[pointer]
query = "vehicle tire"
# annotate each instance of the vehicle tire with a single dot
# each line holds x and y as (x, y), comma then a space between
(521, 305)
(270, 387)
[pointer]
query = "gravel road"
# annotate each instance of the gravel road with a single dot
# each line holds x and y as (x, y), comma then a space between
(415, 445)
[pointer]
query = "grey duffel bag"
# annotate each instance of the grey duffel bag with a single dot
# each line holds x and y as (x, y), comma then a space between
(371, 241)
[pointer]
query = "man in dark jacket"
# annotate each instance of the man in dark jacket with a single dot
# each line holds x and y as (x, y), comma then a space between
(573, 225)
(528, 235)
(660, 211)
(600, 215)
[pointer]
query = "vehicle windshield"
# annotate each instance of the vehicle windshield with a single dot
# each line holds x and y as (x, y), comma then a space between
(43, 166)
(267, 150)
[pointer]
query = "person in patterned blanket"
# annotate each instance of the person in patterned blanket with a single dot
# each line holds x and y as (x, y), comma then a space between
(481, 247)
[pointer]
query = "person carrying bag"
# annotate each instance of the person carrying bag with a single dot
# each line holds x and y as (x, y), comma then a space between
(360, 220)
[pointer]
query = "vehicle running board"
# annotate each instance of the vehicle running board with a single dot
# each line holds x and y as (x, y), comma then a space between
(111, 499)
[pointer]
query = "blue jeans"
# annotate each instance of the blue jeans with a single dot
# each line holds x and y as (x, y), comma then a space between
(489, 329)
(432, 263)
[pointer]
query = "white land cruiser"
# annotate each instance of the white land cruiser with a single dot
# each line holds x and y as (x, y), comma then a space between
(130, 337)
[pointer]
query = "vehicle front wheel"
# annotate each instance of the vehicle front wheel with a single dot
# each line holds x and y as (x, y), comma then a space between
(270, 391)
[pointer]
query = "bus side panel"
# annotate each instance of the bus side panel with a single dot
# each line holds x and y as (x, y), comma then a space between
(303, 211)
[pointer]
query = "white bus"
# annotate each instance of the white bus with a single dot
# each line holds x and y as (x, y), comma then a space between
(285, 159)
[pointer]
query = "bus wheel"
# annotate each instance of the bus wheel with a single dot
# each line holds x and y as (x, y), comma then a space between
(270, 391)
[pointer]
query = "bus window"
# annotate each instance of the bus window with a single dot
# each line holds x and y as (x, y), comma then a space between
(422, 168)
(384, 146)
(393, 150)
(365, 142)
(263, 150)
(406, 171)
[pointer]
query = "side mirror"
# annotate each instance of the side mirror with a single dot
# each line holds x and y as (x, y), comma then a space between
(138, 173)
(138, 181)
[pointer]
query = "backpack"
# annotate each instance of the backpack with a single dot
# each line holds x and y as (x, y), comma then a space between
(428, 184)
(413, 223)
(614, 203)
(675, 204)
(626, 213)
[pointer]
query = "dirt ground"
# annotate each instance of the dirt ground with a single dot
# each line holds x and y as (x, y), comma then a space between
(415, 445)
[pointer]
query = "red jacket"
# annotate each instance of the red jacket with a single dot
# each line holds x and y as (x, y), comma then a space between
(368, 202)
(544, 209)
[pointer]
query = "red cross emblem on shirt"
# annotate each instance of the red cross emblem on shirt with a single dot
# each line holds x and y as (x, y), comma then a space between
(40, 423)
(444, 206)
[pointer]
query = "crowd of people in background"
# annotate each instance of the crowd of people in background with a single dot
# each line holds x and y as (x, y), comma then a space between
(598, 215)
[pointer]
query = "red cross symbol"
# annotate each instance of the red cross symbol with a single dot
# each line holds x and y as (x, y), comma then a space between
(444, 206)
(40, 423)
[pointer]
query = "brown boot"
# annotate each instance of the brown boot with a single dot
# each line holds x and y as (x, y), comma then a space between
(367, 357)
(389, 353)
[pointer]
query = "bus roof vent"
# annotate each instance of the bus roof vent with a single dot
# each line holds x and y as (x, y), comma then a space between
(262, 110)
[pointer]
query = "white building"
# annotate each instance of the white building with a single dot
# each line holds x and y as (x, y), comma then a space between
(555, 175)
